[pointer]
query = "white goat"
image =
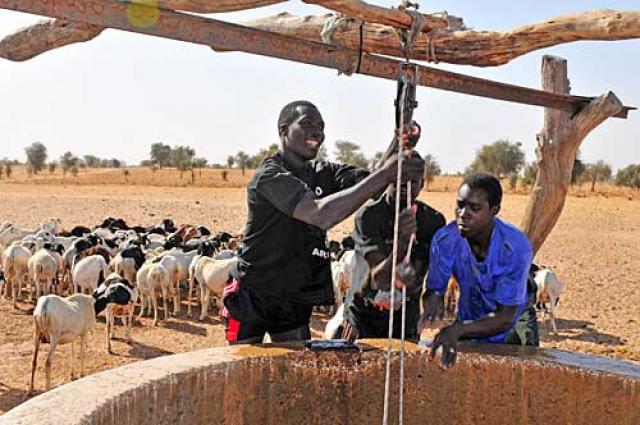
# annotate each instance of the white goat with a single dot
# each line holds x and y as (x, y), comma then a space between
(172, 266)
(333, 328)
(549, 290)
(214, 274)
(43, 271)
(15, 261)
(342, 272)
(62, 320)
(125, 267)
(86, 273)
(152, 278)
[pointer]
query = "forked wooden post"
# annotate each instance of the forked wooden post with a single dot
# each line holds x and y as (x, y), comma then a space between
(558, 144)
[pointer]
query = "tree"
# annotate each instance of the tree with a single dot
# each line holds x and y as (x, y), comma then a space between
(629, 176)
(181, 154)
(375, 159)
(431, 169)
(36, 156)
(530, 173)
(322, 153)
(598, 172)
(115, 163)
(200, 163)
(160, 154)
(91, 161)
(230, 161)
(53, 165)
(577, 170)
(241, 160)
(500, 158)
(349, 153)
(8, 169)
(264, 154)
(68, 161)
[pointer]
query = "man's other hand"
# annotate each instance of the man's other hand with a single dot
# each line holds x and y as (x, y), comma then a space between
(447, 338)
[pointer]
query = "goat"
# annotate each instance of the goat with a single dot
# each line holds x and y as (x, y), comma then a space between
(60, 320)
(206, 249)
(151, 278)
(89, 272)
(15, 260)
(124, 312)
(549, 290)
(214, 273)
(43, 271)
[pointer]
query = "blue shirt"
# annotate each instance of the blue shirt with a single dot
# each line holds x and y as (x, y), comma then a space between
(501, 279)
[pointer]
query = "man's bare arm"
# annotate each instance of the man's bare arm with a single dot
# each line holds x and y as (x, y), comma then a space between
(328, 211)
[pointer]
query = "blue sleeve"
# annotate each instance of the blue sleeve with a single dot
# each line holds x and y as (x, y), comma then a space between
(441, 262)
(511, 282)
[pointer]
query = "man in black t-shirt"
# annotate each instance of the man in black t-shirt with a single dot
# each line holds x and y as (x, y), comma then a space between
(367, 306)
(292, 200)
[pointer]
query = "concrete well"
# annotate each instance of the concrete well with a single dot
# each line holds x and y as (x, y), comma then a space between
(287, 385)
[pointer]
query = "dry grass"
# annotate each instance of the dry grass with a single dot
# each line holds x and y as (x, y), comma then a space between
(214, 178)
(137, 176)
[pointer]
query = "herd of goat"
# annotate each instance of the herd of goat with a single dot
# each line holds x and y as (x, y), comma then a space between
(139, 264)
(114, 268)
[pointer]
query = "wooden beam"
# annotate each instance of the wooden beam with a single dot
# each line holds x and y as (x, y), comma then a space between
(393, 17)
(209, 6)
(231, 37)
(353, 8)
(44, 36)
(477, 48)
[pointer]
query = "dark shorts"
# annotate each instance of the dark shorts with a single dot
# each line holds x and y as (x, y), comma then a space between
(372, 322)
(249, 316)
(525, 331)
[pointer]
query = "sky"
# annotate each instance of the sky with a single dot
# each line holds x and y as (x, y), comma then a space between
(117, 94)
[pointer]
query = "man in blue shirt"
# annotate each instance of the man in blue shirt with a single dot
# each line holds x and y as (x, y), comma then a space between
(490, 259)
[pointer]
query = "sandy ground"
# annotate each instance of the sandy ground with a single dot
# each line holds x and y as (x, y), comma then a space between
(593, 248)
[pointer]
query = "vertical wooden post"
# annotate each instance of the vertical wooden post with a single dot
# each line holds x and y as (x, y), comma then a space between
(558, 143)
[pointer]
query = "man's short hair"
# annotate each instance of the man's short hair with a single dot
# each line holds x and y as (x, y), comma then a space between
(290, 112)
(487, 182)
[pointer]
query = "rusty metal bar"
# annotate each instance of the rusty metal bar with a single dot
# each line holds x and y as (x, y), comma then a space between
(223, 36)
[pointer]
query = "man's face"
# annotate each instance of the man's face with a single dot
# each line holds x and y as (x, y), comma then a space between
(473, 213)
(305, 135)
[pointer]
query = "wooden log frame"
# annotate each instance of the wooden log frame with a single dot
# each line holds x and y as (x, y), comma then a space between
(437, 43)
(231, 37)
(477, 48)
(558, 144)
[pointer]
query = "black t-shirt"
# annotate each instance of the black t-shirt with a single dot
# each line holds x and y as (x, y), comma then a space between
(281, 256)
(374, 232)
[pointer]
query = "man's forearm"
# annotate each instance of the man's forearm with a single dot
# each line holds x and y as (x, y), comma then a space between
(336, 207)
(381, 276)
(488, 326)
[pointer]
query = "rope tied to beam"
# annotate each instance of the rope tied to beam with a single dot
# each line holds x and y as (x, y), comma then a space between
(430, 47)
(408, 38)
(326, 33)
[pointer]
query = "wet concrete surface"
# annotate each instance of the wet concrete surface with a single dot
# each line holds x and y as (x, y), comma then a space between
(286, 384)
